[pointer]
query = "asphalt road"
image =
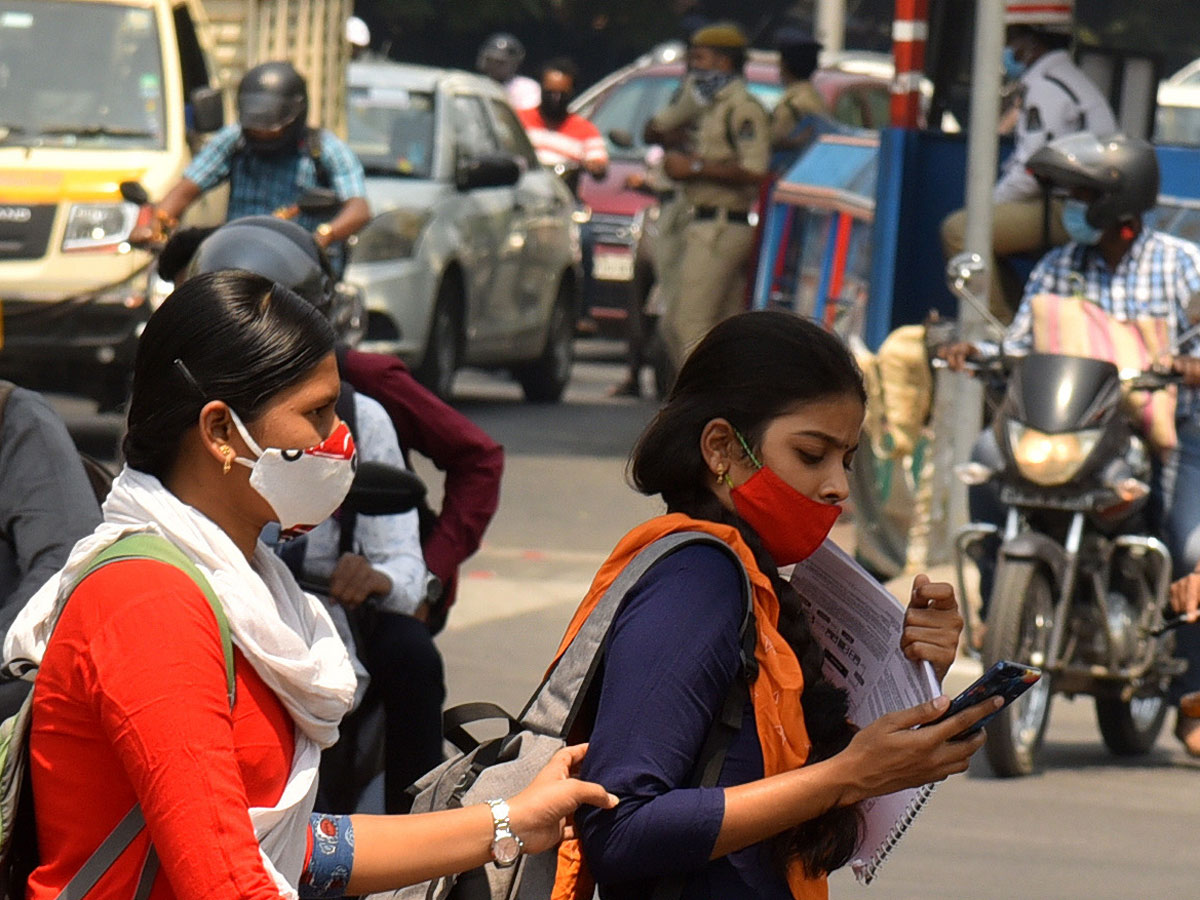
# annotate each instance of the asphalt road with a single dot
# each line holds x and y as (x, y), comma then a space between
(1089, 826)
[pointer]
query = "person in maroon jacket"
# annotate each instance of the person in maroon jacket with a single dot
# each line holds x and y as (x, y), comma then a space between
(472, 461)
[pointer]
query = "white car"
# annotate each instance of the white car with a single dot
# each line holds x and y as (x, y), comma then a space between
(472, 257)
(1178, 116)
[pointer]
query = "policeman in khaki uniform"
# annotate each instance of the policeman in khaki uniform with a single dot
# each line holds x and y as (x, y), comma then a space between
(801, 113)
(721, 180)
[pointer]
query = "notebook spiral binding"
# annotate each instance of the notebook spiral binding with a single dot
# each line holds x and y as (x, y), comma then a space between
(866, 870)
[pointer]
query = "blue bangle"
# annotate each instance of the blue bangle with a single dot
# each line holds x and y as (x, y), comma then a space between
(331, 860)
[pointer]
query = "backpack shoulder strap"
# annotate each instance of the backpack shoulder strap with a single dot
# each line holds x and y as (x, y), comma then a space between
(150, 546)
(556, 703)
(315, 146)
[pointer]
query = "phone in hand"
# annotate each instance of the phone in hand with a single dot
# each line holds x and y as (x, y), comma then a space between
(1004, 679)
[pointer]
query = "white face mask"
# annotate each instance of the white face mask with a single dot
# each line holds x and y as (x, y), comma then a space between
(303, 487)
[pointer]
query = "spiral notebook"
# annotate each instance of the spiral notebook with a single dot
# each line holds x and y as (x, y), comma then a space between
(858, 625)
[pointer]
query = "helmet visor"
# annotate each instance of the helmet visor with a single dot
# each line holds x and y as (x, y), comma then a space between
(263, 111)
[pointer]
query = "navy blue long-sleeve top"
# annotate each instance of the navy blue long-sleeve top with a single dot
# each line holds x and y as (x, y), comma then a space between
(672, 656)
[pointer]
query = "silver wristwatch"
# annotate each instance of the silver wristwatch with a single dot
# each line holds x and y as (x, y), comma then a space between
(506, 846)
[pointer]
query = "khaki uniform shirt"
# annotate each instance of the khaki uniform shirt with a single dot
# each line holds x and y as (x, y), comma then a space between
(800, 99)
(734, 129)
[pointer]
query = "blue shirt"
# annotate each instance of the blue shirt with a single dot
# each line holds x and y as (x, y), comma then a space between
(261, 185)
(671, 659)
(1156, 279)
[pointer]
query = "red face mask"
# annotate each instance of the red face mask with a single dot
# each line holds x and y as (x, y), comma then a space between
(791, 525)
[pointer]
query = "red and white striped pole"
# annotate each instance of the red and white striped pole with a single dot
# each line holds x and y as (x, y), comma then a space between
(910, 31)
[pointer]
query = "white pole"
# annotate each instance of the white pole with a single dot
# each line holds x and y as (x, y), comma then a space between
(831, 24)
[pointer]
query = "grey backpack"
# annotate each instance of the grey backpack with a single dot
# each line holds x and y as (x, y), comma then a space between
(500, 767)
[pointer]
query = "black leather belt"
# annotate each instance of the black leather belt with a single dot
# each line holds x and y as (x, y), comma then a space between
(705, 213)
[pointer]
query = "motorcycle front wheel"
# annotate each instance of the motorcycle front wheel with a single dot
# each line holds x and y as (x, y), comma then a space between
(1020, 622)
(1130, 728)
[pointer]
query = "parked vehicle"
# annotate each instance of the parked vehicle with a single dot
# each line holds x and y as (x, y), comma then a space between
(129, 106)
(1177, 118)
(472, 257)
(1082, 582)
(856, 87)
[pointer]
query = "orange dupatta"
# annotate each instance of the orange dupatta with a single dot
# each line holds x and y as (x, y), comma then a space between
(775, 693)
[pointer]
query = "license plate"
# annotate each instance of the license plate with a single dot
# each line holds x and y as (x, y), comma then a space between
(612, 265)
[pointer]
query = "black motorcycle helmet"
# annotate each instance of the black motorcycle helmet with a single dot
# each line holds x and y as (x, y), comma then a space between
(273, 96)
(1123, 171)
(500, 56)
(274, 248)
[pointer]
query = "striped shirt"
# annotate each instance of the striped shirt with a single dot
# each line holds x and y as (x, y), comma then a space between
(575, 140)
(1158, 278)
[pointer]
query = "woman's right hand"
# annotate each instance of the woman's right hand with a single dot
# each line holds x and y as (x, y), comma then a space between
(892, 753)
(539, 815)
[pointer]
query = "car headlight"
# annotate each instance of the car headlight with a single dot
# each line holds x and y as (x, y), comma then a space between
(392, 235)
(1050, 459)
(93, 226)
(581, 215)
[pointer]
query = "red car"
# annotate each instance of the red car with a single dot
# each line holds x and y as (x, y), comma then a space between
(619, 267)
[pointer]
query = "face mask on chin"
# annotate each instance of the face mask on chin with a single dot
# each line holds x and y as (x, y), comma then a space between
(1076, 225)
(709, 82)
(303, 487)
(790, 525)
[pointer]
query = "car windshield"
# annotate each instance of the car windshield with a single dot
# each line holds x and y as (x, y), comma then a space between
(391, 130)
(629, 105)
(80, 74)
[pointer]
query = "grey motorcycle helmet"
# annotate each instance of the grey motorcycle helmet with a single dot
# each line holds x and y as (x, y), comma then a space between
(1122, 170)
(273, 248)
(500, 56)
(273, 96)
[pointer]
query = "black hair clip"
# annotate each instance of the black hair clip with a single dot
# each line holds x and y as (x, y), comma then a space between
(190, 379)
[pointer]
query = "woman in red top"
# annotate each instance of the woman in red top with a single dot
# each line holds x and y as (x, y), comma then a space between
(131, 703)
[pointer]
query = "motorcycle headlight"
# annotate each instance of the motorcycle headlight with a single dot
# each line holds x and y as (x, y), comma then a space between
(95, 226)
(1050, 459)
(392, 235)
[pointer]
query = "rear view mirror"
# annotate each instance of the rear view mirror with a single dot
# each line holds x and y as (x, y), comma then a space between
(133, 192)
(318, 202)
(379, 489)
(621, 138)
(492, 170)
(208, 110)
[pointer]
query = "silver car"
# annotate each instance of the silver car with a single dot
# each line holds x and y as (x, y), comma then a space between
(472, 256)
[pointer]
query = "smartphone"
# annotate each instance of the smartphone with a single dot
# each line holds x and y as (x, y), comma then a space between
(1004, 679)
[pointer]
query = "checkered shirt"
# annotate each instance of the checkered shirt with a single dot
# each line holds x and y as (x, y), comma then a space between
(1156, 279)
(260, 185)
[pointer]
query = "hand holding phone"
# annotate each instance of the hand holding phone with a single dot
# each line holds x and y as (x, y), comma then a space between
(1005, 679)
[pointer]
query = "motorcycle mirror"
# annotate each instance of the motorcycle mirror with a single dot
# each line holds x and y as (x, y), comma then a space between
(318, 201)
(621, 138)
(380, 489)
(965, 277)
(133, 192)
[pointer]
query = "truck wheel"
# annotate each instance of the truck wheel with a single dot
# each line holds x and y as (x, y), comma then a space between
(443, 350)
(545, 379)
(1130, 728)
(1020, 621)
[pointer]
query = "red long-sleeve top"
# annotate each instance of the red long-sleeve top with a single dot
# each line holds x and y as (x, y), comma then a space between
(130, 704)
(472, 461)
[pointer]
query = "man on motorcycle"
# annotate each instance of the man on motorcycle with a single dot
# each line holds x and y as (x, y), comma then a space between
(269, 159)
(1130, 272)
(561, 137)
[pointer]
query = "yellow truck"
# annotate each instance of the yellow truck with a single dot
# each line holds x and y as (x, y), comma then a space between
(97, 92)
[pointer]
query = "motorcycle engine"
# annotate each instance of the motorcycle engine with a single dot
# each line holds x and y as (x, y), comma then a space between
(1122, 628)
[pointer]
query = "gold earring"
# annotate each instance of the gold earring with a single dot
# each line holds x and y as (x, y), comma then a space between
(227, 452)
(723, 476)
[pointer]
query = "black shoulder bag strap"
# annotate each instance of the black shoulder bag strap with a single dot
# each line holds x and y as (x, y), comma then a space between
(346, 411)
(313, 141)
(721, 733)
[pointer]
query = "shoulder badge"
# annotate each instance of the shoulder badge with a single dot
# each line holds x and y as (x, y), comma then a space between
(747, 130)
(1033, 119)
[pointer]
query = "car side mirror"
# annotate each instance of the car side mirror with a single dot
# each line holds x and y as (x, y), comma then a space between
(318, 201)
(621, 138)
(208, 110)
(490, 170)
(134, 192)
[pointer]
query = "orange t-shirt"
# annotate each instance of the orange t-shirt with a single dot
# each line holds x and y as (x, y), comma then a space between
(130, 704)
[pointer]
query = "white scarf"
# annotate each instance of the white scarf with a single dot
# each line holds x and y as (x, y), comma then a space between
(285, 634)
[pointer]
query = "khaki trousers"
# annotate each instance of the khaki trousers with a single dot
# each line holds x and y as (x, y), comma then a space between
(712, 283)
(1017, 228)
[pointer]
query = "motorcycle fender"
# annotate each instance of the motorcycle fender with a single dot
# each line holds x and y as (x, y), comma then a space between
(1032, 545)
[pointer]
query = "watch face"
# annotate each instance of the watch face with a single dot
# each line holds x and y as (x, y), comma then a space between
(505, 850)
